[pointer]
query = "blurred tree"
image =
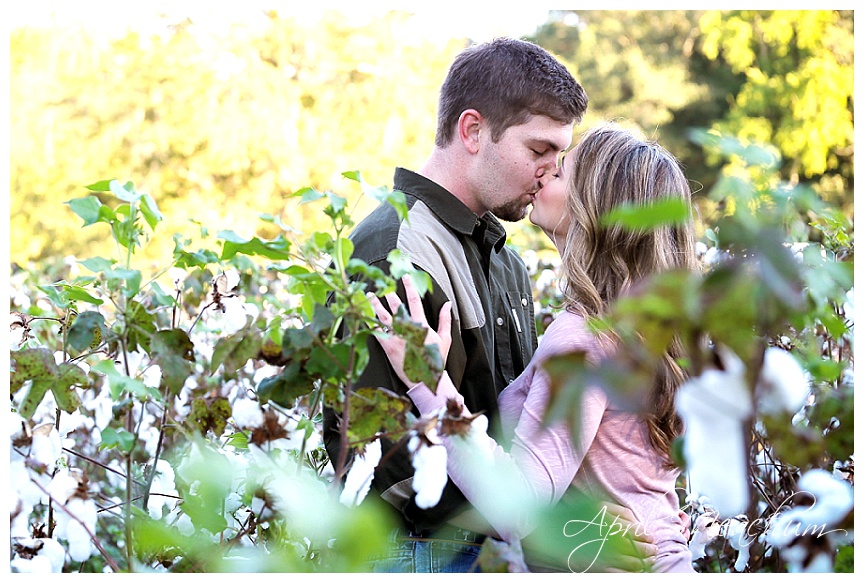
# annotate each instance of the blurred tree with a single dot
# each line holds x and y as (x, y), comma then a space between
(217, 127)
(798, 92)
(765, 77)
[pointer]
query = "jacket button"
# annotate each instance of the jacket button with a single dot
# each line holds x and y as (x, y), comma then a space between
(500, 321)
(524, 302)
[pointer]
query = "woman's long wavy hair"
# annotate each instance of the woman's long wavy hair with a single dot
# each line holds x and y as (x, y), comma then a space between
(614, 166)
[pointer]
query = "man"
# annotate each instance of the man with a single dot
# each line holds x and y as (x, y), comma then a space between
(506, 111)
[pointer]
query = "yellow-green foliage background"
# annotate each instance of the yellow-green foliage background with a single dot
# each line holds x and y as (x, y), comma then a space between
(219, 126)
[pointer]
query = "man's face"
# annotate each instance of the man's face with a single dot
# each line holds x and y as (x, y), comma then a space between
(509, 172)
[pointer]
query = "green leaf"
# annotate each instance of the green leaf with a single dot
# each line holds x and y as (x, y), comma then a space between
(277, 249)
(126, 192)
(88, 208)
(140, 326)
(284, 388)
(422, 363)
(76, 293)
(234, 351)
(400, 264)
(173, 351)
(88, 327)
(150, 211)
(337, 202)
(667, 211)
(330, 363)
(132, 278)
(382, 194)
(117, 438)
(308, 195)
(119, 383)
(37, 365)
(101, 186)
(160, 298)
(64, 389)
(98, 264)
(213, 475)
(375, 409)
(210, 414)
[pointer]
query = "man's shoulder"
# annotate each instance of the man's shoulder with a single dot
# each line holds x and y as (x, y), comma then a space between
(376, 234)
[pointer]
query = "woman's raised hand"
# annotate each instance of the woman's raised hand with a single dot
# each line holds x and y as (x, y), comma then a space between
(394, 347)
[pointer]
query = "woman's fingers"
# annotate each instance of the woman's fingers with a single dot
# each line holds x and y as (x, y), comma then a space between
(445, 319)
(415, 304)
(380, 311)
(393, 301)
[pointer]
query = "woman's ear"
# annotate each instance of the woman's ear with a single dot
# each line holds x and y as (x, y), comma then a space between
(468, 128)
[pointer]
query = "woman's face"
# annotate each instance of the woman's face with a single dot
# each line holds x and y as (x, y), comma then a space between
(550, 204)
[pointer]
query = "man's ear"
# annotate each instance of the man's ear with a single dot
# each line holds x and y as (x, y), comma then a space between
(468, 129)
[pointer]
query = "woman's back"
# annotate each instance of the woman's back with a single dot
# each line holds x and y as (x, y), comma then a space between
(619, 464)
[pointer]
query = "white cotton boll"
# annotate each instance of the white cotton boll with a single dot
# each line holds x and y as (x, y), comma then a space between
(531, 260)
(247, 413)
(783, 386)
(16, 336)
(102, 407)
(225, 282)
(712, 256)
(705, 529)
(430, 474)
(736, 534)
(834, 497)
(359, 477)
(35, 565)
(235, 315)
(46, 446)
(49, 556)
(819, 563)
(63, 485)
(75, 531)
(297, 436)
(152, 377)
(72, 421)
(714, 407)
(233, 503)
(28, 494)
(163, 483)
(184, 525)
(833, 501)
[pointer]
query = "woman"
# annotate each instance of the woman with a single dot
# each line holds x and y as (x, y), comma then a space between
(620, 456)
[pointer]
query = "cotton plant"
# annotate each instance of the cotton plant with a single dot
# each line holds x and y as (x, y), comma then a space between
(798, 530)
(716, 408)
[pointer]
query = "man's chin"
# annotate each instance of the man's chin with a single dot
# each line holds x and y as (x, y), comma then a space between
(511, 214)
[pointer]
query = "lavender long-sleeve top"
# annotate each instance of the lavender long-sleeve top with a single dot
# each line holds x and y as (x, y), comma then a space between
(612, 459)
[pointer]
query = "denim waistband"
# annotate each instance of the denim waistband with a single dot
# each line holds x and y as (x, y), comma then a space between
(446, 533)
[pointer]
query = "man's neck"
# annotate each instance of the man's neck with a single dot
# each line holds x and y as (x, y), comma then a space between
(444, 169)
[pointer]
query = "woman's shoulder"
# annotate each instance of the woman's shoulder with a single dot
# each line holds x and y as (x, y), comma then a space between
(569, 331)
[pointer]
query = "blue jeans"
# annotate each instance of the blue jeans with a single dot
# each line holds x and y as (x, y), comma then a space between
(413, 554)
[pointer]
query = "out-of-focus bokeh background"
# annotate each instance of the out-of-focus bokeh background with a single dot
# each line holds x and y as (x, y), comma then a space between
(220, 111)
